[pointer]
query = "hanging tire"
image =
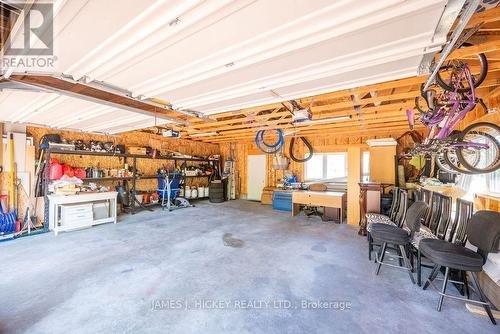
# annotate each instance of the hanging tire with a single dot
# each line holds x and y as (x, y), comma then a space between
(307, 144)
(480, 133)
(477, 79)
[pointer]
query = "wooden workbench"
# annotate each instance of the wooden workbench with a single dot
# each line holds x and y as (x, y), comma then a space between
(330, 199)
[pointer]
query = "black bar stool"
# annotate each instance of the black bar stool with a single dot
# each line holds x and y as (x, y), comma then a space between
(399, 237)
(396, 219)
(483, 231)
(439, 222)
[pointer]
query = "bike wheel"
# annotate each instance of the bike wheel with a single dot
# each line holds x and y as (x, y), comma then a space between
(475, 137)
(447, 72)
(451, 164)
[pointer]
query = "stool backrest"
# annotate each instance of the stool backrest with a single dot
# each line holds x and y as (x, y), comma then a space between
(435, 214)
(414, 216)
(444, 217)
(483, 232)
(456, 233)
(394, 204)
(402, 206)
(426, 195)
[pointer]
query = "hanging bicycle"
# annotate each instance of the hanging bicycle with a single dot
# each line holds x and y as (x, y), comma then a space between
(474, 150)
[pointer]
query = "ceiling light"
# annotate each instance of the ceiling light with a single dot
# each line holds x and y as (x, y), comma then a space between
(204, 134)
(324, 120)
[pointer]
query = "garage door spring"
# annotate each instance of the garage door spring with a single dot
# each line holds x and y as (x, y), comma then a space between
(308, 145)
(269, 148)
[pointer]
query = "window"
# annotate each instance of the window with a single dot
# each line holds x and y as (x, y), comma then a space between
(366, 166)
(326, 166)
(479, 184)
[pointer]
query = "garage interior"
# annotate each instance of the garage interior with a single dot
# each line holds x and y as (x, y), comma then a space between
(250, 166)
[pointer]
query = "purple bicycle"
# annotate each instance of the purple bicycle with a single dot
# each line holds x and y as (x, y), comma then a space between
(474, 150)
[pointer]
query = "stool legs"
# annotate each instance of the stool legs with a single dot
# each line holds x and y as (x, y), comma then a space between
(403, 259)
(380, 257)
(443, 289)
(419, 268)
(370, 246)
(406, 262)
(482, 297)
(432, 276)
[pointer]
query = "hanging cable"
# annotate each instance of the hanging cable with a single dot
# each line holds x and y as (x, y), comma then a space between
(269, 148)
(308, 145)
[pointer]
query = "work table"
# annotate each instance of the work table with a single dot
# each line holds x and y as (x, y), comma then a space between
(330, 199)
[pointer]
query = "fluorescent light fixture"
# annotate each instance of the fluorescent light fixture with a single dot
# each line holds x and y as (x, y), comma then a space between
(290, 132)
(204, 134)
(323, 120)
(382, 142)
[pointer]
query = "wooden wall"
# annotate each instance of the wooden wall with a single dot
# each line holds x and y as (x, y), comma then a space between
(321, 144)
(136, 138)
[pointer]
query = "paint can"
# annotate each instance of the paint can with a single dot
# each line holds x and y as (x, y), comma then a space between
(188, 192)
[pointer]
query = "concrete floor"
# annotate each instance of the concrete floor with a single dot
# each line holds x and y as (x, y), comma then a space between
(131, 277)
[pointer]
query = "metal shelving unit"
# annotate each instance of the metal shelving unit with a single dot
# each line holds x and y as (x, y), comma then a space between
(133, 179)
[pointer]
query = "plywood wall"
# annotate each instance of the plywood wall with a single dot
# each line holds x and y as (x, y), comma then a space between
(136, 138)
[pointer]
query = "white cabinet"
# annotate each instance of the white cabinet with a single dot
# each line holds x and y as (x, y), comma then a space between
(70, 212)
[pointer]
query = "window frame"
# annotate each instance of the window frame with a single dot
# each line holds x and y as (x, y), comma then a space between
(325, 167)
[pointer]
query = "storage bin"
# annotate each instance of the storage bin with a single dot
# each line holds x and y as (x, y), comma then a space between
(282, 200)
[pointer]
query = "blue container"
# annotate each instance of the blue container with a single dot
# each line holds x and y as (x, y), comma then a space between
(282, 200)
(174, 186)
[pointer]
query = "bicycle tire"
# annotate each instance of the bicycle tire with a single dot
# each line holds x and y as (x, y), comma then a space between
(477, 83)
(464, 161)
(443, 165)
(455, 168)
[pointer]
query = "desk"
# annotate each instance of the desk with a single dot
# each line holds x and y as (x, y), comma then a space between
(330, 199)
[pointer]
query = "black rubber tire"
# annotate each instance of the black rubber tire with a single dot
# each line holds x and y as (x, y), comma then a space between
(456, 168)
(479, 81)
(308, 145)
(465, 163)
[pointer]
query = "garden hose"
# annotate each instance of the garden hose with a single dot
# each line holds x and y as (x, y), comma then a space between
(269, 148)
(308, 145)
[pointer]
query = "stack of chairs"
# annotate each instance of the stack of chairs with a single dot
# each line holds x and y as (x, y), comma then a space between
(438, 240)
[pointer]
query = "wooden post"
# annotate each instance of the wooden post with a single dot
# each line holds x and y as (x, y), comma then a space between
(1, 147)
(353, 179)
